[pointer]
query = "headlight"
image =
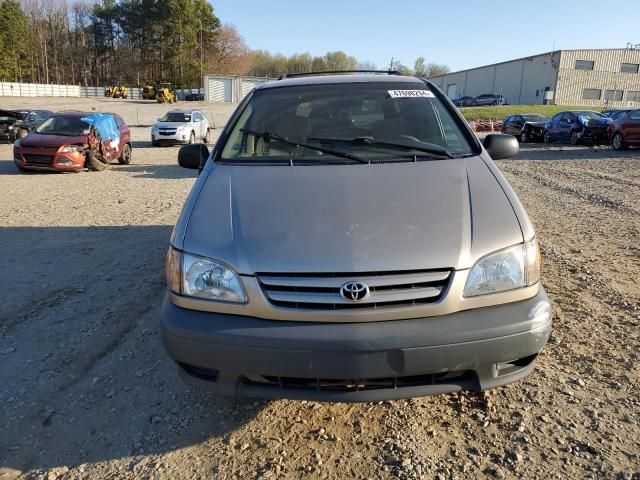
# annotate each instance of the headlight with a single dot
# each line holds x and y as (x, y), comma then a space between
(508, 269)
(70, 149)
(10, 127)
(201, 277)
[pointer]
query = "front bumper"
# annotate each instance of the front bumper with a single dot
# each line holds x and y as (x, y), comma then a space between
(355, 362)
(8, 135)
(174, 139)
(595, 134)
(31, 159)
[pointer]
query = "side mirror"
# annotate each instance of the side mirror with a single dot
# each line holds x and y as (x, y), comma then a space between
(500, 146)
(193, 156)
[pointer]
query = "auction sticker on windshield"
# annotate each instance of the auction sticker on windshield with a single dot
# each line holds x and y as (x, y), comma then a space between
(411, 93)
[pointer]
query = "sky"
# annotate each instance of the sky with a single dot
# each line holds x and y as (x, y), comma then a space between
(462, 34)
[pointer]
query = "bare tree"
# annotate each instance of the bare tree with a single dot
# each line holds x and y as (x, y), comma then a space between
(434, 70)
(229, 55)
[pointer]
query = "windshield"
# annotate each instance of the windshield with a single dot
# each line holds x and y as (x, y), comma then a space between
(177, 117)
(617, 114)
(534, 118)
(361, 119)
(65, 126)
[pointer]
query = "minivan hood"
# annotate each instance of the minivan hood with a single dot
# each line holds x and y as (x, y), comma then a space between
(351, 218)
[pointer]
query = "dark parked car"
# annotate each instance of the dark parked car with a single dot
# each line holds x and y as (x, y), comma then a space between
(577, 126)
(488, 99)
(625, 130)
(615, 114)
(194, 97)
(465, 101)
(526, 127)
(16, 124)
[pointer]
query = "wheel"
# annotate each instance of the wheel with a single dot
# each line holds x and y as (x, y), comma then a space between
(21, 133)
(125, 156)
(22, 169)
(155, 143)
(125, 96)
(192, 138)
(618, 142)
(95, 164)
(207, 137)
(546, 137)
(474, 103)
(574, 140)
(524, 138)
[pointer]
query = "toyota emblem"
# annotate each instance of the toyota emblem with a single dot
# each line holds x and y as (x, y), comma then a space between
(354, 291)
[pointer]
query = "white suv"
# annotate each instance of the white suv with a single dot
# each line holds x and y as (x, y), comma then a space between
(181, 126)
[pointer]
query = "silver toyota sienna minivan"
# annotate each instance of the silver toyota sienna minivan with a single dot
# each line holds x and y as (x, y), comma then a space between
(349, 239)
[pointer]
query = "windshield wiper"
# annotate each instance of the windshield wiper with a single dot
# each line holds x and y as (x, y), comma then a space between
(268, 136)
(433, 149)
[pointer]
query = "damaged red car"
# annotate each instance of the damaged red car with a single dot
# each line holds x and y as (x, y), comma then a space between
(66, 142)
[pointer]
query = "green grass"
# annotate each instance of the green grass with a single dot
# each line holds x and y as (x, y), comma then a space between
(499, 112)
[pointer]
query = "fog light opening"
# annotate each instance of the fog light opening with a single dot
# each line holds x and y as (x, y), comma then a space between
(506, 368)
(202, 373)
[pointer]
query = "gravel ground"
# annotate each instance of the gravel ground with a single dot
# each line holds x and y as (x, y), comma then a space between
(88, 392)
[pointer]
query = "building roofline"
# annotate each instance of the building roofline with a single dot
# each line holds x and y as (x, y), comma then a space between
(496, 64)
(530, 56)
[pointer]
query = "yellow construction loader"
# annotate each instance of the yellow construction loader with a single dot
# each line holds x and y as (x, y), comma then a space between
(149, 91)
(116, 90)
(165, 93)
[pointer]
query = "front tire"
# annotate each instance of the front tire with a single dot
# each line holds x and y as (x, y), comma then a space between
(95, 164)
(192, 138)
(207, 137)
(546, 137)
(125, 156)
(618, 142)
(574, 140)
(524, 138)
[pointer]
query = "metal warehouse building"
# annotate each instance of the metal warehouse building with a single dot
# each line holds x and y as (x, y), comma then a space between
(599, 77)
(229, 88)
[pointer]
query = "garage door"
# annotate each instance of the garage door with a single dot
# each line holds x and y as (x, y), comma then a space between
(452, 90)
(248, 85)
(219, 90)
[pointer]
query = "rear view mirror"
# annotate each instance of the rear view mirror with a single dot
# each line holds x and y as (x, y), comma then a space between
(501, 146)
(193, 156)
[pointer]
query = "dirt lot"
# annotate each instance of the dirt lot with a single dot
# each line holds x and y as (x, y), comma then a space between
(86, 390)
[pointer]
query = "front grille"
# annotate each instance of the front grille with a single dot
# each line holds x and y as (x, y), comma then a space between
(462, 378)
(167, 132)
(322, 291)
(39, 159)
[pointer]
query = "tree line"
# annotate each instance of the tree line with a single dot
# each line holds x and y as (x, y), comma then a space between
(95, 42)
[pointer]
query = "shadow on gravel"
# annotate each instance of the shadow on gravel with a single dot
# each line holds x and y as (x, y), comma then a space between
(85, 377)
(169, 172)
(8, 167)
(533, 151)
